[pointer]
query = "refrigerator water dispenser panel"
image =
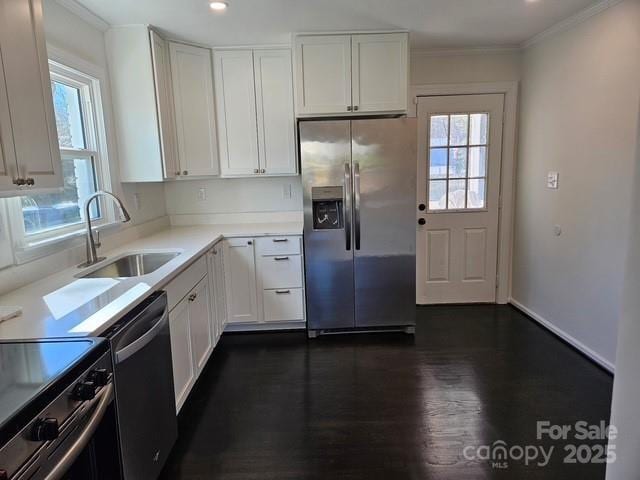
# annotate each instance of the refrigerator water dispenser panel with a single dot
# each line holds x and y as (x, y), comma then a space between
(327, 208)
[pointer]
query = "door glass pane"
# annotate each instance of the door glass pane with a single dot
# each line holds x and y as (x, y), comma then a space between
(439, 130)
(457, 194)
(437, 194)
(68, 110)
(458, 157)
(438, 163)
(478, 161)
(476, 194)
(457, 162)
(478, 131)
(459, 128)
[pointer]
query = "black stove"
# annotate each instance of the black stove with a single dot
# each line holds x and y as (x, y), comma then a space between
(56, 403)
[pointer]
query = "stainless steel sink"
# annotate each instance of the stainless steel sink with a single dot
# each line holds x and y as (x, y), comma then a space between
(133, 265)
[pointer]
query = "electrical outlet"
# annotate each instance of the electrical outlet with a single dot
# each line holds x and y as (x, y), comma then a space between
(202, 194)
(552, 180)
(286, 191)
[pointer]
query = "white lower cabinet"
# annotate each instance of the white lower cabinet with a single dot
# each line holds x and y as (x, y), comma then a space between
(184, 375)
(264, 283)
(240, 281)
(200, 319)
(217, 291)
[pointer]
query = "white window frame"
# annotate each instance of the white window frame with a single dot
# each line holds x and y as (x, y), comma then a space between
(87, 79)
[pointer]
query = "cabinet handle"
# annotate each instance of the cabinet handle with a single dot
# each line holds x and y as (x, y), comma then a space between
(278, 240)
(178, 173)
(282, 292)
(255, 170)
(193, 296)
(249, 242)
(355, 108)
(348, 108)
(277, 259)
(185, 172)
(214, 251)
(263, 171)
(30, 181)
(19, 181)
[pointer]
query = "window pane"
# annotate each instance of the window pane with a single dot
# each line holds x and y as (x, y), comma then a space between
(55, 210)
(459, 128)
(457, 163)
(457, 194)
(478, 162)
(476, 194)
(437, 195)
(439, 130)
(438, 163)
(68, 109)
(478, 133)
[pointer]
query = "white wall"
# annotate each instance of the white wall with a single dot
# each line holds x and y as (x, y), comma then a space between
(431, 67)
(579, 106)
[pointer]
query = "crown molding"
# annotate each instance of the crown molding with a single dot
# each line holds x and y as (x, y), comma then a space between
(571, 22)
(461, 52)
(85, 14)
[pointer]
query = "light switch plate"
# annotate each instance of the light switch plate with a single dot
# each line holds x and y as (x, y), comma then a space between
(552, 180)
(202, 194)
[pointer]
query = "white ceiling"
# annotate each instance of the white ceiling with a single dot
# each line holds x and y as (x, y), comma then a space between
(432, 23)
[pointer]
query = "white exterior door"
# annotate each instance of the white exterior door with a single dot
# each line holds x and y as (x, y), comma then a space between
(459, 156)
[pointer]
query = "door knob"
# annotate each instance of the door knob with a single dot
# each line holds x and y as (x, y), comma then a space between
(422, 207)
(422, 221)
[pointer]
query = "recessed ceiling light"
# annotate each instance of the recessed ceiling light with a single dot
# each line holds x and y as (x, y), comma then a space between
(218, 5)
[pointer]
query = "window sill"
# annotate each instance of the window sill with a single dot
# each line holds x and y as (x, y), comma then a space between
(42, 248)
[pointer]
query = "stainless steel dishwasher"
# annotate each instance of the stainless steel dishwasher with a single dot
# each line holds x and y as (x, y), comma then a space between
(143, 378)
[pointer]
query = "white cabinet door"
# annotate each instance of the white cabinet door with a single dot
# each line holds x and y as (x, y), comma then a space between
(240, 279)
(28, 96)
(181, 354)
(192, 76)
(199, 318)
(221, 300)
(323, 74)
(236, 106)
(164, 104)
(274, 103)
(380, 72)
(213, 308)
(8, 165)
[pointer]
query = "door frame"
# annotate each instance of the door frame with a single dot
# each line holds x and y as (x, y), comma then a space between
(507, 173)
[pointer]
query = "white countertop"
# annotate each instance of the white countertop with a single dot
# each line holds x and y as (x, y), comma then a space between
(63, 305)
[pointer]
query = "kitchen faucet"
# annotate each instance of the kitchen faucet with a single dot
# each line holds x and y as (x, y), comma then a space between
(92, 254)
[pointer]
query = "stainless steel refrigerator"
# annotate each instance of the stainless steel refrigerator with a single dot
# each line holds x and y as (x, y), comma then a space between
(359, 186)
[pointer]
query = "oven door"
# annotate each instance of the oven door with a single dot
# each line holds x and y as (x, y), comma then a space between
(87, 448)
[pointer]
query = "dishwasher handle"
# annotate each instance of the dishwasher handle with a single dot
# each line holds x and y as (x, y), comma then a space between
(144, 340)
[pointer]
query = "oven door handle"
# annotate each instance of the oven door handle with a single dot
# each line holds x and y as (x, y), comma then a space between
(105, 397)
(143, 341)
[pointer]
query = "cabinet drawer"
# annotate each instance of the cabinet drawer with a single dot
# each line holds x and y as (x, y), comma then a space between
(183, 283)
(278, 245)
(284, 271)
(283, 305)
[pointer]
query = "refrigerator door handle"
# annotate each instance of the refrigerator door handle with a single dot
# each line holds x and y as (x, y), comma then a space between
(356, 195)
(346, 211)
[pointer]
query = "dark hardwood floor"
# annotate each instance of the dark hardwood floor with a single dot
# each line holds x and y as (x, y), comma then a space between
(388, 406)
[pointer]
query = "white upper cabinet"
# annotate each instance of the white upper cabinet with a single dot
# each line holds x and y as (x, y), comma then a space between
(323, 74)
(276, 122)
(254, 99)
(379, 72)
(192, 75)
(143, 107)
(351, 74)
(29, 152)
(164, 104)
(237, 120)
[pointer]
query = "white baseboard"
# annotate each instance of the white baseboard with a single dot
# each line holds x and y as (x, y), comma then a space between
(577, 344)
